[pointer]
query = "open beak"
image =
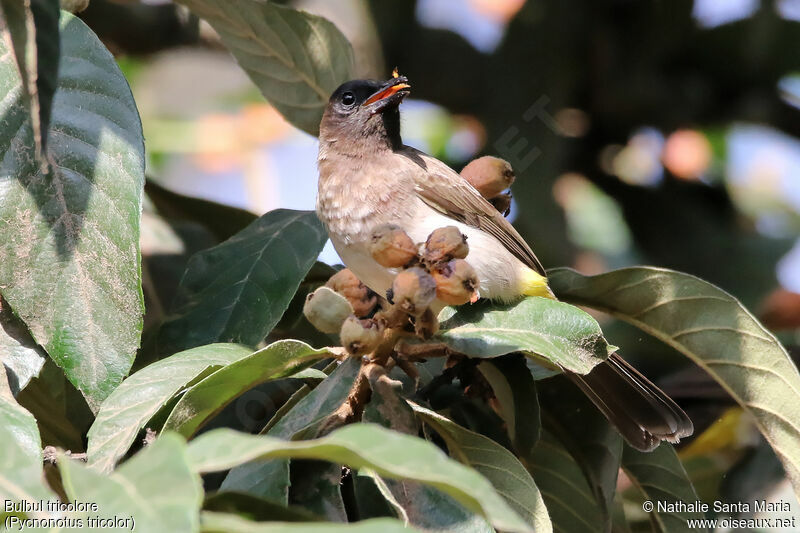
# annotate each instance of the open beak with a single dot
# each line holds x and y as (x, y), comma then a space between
(392, 92)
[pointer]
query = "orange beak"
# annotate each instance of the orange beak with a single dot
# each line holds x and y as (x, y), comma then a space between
(389, 91)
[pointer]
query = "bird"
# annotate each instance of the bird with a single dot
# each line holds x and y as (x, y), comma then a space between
(368, 177)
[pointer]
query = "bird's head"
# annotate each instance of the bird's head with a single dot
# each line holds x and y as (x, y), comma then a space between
(364, 114)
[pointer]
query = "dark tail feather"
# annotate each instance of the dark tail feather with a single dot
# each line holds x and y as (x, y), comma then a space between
(638, 409)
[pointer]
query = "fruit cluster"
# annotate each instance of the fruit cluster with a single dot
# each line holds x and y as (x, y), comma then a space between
(429, 271)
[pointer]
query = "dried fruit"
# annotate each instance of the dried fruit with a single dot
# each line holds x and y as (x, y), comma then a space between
(490, 175)
(456, 282)
(392, 247)
(361, 336)
(413, 290)
(359, 295)
(445, 244)
(327, 310)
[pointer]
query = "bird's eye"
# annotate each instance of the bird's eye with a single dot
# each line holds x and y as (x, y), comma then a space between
(348, 99)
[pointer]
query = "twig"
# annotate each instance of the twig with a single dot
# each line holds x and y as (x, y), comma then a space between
(50, 455)
(446, 377)
(421, 351)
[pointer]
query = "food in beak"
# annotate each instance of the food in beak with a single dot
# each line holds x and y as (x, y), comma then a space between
(387, 92)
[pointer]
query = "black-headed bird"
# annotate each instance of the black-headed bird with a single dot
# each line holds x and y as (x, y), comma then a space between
(369, 178)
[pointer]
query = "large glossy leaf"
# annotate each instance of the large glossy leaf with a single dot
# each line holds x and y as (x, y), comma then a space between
(69, 237)
(713, 329)
(19, 353)
(660, 476)
(229, 523)
(33, 28)
(156, 487)
(560, 333)
(570, 502)
(418, 504)
(586, 434)
(128, 409)
(307, 389)
(316, 486)
(21, 475)
(255, 508)
(515, 390)
(498, 465)
(390, 454)
(270, 479)
(237, 291)
(297, 59)
(207, 397)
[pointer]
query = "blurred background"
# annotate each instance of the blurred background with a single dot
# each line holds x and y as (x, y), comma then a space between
(642, 132)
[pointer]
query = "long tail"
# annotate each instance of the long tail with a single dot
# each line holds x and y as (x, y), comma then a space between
(638, 409)
(642, 413)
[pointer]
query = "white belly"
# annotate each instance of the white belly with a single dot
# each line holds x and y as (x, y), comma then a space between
(498, 269)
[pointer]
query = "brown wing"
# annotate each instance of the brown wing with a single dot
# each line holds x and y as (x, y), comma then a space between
(443, 189)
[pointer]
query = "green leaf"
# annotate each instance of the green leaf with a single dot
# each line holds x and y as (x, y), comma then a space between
(498, 465)
(238, 290)
(206, 398)
(139, 397)
(299, 394)
(229, 523)
(586, 434)
(661, 478)
(388, 453)
(419, 505)
(156, 487)
(372, 501)
(560, 333)
(33, 28)
(19, 353)
(569, 499)
(21, 476)
(69, 237)
(515, 389)
(619, 522)
(270, 479)
(315, 486)
(256, 508)
(297, 59)
(713, 329)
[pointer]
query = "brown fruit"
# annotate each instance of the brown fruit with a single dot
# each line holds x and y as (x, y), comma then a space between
(360, 337)
(359, 295)
(413, 290)
(327, 310)
(392, 247)
(490, 175)
(456, 282)
(444, 244)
